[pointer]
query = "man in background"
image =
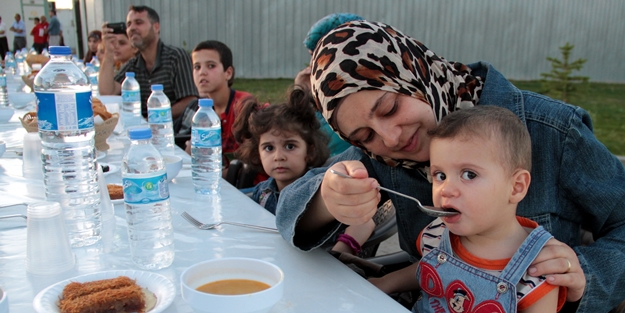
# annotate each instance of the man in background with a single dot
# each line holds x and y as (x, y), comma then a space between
(40, 39)
(19, 36)
(54, 30)
(156, 63)
(4, 43)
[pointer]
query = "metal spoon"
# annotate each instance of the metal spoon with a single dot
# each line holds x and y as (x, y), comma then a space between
(429, 210)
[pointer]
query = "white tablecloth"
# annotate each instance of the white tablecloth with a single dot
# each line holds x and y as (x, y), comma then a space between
(314, 281)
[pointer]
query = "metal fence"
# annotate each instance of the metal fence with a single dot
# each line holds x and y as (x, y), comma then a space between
(515, 36)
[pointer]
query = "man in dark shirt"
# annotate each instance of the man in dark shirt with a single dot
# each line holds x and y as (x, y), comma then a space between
(156, 63)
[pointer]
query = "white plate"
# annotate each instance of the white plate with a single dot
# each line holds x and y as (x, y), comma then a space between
(99, 155)
(47, 300)
(112, 169)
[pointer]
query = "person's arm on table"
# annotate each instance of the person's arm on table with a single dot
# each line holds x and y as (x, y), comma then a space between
(303, 215)
(178, 108)
(596, 181)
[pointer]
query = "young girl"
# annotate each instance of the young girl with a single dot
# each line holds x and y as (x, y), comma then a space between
(284, 141)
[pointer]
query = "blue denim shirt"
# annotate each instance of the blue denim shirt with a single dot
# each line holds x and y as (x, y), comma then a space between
(266, 194)
(576, 183)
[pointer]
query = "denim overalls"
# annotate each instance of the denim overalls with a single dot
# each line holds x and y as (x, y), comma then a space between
(450, 285)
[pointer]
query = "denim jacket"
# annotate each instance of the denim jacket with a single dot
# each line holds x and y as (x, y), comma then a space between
(266, 194)
(576, 183)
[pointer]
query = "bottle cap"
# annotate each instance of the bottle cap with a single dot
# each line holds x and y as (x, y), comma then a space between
(157, 87)
(130, 74)
(60, 50)
(139, 133)
(205, 103)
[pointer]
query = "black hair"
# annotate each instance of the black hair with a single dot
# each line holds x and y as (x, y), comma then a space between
(152, 15)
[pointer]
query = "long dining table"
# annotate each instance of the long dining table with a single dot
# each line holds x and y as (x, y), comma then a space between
(313, 281)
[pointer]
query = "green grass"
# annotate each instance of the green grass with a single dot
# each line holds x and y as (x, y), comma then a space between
(266, 90)
(604, 102)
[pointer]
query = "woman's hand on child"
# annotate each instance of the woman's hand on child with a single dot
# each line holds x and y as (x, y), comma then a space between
(560, 264)
(350, 201)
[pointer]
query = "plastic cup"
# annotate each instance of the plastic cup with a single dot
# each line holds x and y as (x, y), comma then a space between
(47, 243)
(32, 166)
(4, 302)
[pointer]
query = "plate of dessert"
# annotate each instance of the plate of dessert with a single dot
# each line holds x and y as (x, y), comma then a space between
(116, 193)
(125, 290)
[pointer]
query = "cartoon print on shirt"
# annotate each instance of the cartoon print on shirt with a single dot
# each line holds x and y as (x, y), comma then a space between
(456, 303)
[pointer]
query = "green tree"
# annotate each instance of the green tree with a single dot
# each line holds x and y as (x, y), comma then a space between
(559, 82)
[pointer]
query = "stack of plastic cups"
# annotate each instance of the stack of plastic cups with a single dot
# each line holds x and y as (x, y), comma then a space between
(47, 243)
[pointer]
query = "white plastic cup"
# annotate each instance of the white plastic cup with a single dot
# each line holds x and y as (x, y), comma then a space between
(4, 301)
(47, 242)
(32, 166)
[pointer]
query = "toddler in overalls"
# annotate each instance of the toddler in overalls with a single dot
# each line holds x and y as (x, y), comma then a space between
(477, 260)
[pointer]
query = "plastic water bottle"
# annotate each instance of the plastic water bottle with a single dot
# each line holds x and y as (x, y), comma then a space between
(20, 61)
(65, 120)
(160, 120)
(96, 63)
(45, 53)
(9, 63)
(93, 79)
(146, 198)
(131, 101)
(4, 95)
(206, 149)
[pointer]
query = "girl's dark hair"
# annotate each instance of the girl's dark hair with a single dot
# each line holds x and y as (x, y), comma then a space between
(296, 116)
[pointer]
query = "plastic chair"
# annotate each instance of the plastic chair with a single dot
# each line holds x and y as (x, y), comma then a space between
(384, 230)
(240, 175)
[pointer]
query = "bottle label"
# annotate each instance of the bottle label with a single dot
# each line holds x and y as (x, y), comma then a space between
(207, 138)
(64, 110)
(159, 116)
(10, 64)
(131, 96)
(93, 80)
(3, 81)
(146, 189)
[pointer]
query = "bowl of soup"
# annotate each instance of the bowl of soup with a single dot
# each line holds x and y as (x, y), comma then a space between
(235, 285)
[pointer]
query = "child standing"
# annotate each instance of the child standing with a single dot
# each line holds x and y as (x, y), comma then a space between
(480, 162)
(284, 141)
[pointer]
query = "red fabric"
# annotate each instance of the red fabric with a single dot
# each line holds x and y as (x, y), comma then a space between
(35, 32)
(228, 144)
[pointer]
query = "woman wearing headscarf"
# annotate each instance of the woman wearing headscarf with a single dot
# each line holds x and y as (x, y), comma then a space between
(302, 80)
(382, 91)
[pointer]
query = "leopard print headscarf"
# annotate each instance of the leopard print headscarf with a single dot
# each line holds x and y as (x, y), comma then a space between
(364, 55)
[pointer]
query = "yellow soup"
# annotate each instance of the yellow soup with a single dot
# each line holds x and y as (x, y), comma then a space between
(233, 287)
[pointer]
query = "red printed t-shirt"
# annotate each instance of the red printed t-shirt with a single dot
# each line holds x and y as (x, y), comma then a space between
(228, 144)
(38, 33)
